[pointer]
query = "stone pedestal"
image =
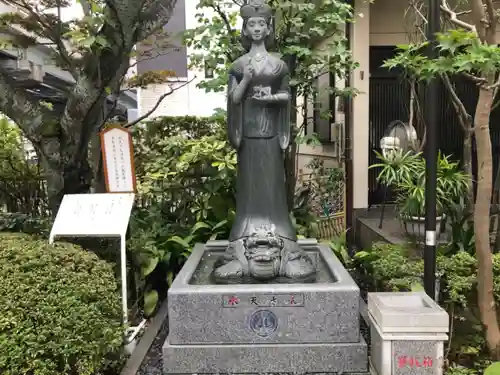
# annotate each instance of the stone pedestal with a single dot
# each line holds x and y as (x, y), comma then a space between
(407, 334)
(263, 328)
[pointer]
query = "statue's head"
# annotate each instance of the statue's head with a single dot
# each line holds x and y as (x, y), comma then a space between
(263, 252)
(257, 23)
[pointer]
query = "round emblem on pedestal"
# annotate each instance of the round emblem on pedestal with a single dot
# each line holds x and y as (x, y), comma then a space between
(263, 323)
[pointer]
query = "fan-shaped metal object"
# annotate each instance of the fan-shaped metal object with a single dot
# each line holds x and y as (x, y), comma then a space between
(399, 137)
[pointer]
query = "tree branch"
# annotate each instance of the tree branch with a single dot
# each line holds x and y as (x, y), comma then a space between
(494, 86)
(158, 102)
(22, 109)
(490, 10)
(224, 18)
(464, 117)
(155, 17)
(152, 56)
(491, 28)
(48, 30)
(452, 16)
(476, 79)
(479, 17)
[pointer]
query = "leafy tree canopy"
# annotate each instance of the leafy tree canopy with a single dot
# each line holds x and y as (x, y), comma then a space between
(97, 51)
(309, 36)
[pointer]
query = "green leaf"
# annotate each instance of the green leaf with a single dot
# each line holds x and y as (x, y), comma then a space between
(150, 302)
(179, 241)
(493, 369)
(199, 225)
(219, 225)
(149, 265)
(170, 278)
(417, 287)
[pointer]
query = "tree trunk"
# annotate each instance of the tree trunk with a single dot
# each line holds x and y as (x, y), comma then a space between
(96, 163)
(486, 300)
(467, 165)
(64, 175)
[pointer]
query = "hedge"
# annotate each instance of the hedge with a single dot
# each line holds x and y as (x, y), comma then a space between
(59, 309)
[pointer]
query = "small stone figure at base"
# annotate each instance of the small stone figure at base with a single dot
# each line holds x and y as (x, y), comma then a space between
(264, 256)
(263, 240)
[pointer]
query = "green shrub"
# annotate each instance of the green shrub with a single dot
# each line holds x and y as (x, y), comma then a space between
(21, 182)
(24, 223)
(59, 309)
(187, 171)
(387, 267)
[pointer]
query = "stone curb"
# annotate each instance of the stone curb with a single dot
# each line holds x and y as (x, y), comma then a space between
(135, 360)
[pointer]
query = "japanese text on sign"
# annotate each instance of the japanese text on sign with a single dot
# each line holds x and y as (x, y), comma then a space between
(267, 300)
(118, 160)
(93, 215)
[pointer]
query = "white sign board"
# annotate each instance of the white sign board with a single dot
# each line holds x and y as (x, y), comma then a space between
(118, 159)
(94, 215)
(97, 215)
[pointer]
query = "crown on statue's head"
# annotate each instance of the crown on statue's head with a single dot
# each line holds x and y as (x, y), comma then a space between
(256, 8)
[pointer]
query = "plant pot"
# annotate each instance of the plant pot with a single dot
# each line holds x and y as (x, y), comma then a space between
(415, 227)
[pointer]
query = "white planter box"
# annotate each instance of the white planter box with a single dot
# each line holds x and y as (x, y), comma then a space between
(407, 334)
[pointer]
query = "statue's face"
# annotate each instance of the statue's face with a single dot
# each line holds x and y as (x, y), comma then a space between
(264, 262)
(263, 252)
(257, 28)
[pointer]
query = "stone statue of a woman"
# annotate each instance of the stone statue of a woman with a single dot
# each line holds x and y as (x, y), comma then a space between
(263, 241)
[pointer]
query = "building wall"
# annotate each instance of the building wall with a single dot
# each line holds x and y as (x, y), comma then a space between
(188, 100)
(388, 24)
(391, 24)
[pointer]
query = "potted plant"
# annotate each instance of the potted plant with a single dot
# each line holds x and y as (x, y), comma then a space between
(405, 173)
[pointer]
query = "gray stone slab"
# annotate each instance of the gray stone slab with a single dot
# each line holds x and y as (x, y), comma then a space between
(407, 312)
(265, 358)
(201, 312)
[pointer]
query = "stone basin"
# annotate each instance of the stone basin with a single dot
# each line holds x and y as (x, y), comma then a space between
(407, 312)
(201, 311)
(264, 327)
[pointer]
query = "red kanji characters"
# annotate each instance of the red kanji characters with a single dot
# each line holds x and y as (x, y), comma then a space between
(233, 301)
(427, 362)
(404, 361)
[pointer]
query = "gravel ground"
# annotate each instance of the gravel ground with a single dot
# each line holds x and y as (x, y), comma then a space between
(365, 332)
(152, 363)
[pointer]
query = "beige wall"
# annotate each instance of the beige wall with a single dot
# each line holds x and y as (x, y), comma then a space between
(391, 24)
(388, 24)
(360, 122)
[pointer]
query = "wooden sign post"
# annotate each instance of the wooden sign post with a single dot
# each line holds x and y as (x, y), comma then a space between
(118, 160)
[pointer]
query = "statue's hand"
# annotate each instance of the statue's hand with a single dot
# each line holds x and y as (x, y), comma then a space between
(248, 72)
(265, 98)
